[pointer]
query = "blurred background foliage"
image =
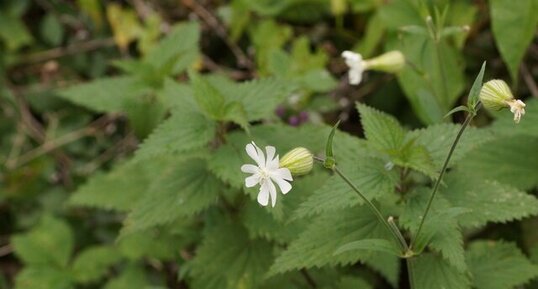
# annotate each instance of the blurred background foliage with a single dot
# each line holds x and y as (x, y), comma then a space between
(84, 84)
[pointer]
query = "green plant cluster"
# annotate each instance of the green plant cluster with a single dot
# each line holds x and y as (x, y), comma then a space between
(122, 170)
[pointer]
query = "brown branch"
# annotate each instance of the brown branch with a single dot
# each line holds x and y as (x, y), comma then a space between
(72, 49)
(213, 22)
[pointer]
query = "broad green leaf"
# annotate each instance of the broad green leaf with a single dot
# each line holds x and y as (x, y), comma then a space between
(102, 95)
(186, 130)
(438, 138)
(498, 265)
(144, 113)
(43, 277)
(122, 187)
(49, 244)
(440, 230)
(92, 263)
(132, 277)
(259, 97)
(488, 200)
(370, 176)
(432, 271)
(416, 157)
(381, 130)
(159, 244)
(315, 246)
(514, 25)
(512, 161)
(352, 283)
(181, 190)
(228, 257)
(209, 99)
(380, 245)
(268, 36)
(178, 50)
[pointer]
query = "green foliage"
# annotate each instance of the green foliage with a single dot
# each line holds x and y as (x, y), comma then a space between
(498, 265)
(48, 244)
(92, 263)
(514, 25)
(434, 272)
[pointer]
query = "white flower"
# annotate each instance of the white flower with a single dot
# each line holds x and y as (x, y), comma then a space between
(265, 173)
(517, 107)
(356, 66)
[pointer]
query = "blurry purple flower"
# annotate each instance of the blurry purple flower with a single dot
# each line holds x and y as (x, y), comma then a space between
(280, 111)
(303, 116)
(294, 120)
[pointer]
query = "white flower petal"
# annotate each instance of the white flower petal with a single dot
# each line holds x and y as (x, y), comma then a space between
(355, 76)
(284, 186)
(263, 195)
(250, 169)
(261, 156)
(252, 152)
(272, 192)
(270, 154)
(273, 164)
(283, 173)
(252, 180)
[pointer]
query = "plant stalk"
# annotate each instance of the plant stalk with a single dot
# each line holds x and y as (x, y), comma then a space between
(377, 213)
(470, 116)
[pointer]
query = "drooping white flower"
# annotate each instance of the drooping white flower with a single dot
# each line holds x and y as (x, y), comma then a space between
(266, 172)
(356, 65)
(517, 107)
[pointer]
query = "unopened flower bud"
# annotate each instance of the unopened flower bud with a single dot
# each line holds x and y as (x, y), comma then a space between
(299, 161)
(392, 62)
(496, 95)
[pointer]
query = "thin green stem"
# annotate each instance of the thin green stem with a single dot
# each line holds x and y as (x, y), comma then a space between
(443, 170)
(411, 272)
(444, 90)
(374, 210)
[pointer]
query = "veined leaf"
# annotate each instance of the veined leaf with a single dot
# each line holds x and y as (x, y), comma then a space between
(382, 130)
(432, 271)
(103, 95)
(180, 191)
(43, 277)
(132, 277)
(514, 25)
(380, 245)
(227, 258)
(498, 265)
(488, 200)
(315, 246)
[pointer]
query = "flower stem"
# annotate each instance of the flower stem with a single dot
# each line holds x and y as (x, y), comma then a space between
(411, 271)
(401, 242)
(470, 116)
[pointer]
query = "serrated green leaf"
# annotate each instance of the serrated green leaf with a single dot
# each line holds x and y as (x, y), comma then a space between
(103, 95)
(432, 271)
(498, 265)
(370, 175)
(512, 161)
(381, 130)
(209, 99)
(178, 50)
(259, 97)
(315, 246)
(121, 188)
(235, 112)
(132, 277)
(438, 138)
(43, 277)
(180, 191)
(92, 263)
(160, 244)
(52, 30)
(514, 25)
(186, 130)
(440, 231)
(416, 157)
(488, 200)
(50, 243)
(380, 245)
(228, 257)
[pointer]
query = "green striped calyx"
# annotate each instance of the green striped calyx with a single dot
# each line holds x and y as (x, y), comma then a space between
(299, 161)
